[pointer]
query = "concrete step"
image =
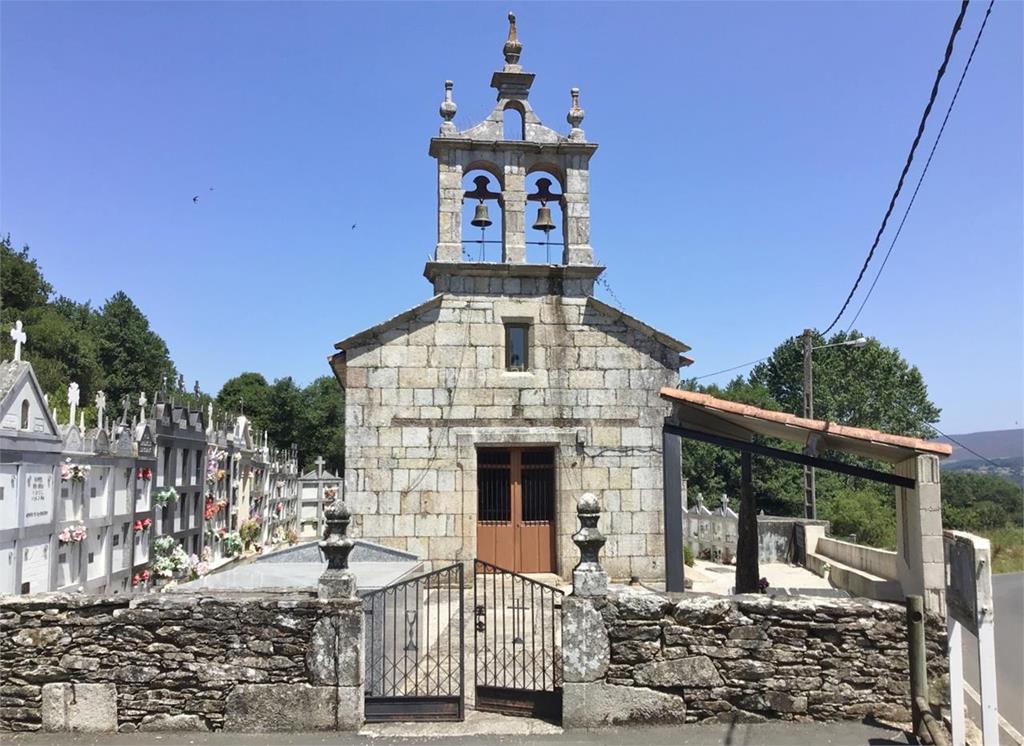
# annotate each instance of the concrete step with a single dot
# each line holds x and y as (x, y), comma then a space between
(856, 581)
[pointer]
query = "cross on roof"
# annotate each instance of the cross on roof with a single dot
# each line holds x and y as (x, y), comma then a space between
(319, 465)
(73, 395)
(19, 337)
(101, 405)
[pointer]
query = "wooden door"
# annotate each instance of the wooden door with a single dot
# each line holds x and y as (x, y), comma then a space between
(516, 508)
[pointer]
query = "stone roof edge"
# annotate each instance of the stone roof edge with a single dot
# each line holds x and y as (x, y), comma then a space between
(359, 337)
(640, 326)
(24, 368)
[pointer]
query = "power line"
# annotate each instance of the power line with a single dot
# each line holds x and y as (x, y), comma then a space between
(906, 166)
(926, 165)
(951, 439)
(735, 367)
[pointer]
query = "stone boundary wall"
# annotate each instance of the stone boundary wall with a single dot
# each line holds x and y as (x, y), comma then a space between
(180, 662)
(638, 656)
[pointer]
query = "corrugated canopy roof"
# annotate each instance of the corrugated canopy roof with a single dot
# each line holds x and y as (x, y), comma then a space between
(743, 421)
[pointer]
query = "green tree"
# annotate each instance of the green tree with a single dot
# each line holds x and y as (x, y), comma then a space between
(323, 429)
(134, 358)
(871, 386)
(248, 392)
(21, 281)
(284, 421)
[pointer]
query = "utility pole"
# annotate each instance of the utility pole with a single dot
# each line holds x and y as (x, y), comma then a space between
(810, 506)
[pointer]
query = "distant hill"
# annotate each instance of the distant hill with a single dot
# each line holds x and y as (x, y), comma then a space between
(1005, 448)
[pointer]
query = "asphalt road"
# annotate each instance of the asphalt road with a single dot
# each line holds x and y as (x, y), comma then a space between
(763, 734)
(1008, 599)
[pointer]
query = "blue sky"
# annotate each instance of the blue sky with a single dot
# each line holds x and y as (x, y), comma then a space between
(747, 153)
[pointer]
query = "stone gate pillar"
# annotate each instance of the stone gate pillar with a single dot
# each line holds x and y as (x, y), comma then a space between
(586, 650)
(920, 560)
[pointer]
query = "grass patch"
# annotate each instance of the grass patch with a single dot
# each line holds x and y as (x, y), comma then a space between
(1007, 549)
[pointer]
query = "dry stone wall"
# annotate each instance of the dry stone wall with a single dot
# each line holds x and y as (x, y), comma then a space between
(180, 662)
(746, 658)
(425, 390)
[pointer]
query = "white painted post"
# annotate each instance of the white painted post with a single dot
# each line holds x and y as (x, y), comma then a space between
(986, 645)
(958, 716)
(969, 604)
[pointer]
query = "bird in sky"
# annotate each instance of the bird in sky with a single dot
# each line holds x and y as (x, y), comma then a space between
(353, 227)
(195, 199)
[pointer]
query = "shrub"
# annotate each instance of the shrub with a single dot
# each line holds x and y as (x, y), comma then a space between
(864, 513)
(687, 555)
(249, 532)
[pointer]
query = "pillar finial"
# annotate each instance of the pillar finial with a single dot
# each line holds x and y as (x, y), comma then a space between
(337, 581)
(575, 115)
(448, 108)
(513, 47)
(588, 578)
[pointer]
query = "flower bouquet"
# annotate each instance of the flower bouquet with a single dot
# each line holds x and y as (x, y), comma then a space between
(145, 474)
(72, 534)
(142, 525)
(164, 496)
(76, 473)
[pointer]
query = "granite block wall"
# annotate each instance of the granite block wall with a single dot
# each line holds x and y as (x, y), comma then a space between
(180, 662)
(424, 391)
(746, 658)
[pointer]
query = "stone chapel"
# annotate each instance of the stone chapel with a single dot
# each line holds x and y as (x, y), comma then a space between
(475, 420)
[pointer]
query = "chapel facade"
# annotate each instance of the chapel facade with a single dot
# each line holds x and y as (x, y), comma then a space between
(475, 420)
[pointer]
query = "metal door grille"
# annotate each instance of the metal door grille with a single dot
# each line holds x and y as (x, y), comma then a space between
(414, 648)
(517, 641)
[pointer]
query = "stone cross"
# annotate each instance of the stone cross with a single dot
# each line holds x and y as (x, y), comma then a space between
(142, 404)
(319, 465)
(124, 403)
(19, 337)
(72, 402)
(337, 581)
(101, 405)
(588, 577)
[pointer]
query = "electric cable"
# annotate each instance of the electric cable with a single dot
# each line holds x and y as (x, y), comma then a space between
(926, 165)
(906, 166)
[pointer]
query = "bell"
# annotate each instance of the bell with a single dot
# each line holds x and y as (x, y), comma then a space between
(480, 218)
(544, 222)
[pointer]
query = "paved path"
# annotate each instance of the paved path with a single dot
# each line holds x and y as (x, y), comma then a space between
(766, 734)
(1008, 598)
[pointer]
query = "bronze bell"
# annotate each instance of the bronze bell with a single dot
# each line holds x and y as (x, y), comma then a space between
(544, 222)
(481, 219)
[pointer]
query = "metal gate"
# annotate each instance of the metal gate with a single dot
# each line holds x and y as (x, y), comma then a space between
(414, 648)
(517, 641)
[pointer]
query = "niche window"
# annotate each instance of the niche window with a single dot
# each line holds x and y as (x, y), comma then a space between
(24, 414)
(517, 346)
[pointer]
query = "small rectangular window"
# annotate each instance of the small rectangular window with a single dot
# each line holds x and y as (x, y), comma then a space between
(26, 587)
(116, 540)
(517, 346)
(91, 557)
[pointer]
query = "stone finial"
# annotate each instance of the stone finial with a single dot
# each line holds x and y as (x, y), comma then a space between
(588, 579)
(575, 115)
(142, 405)
(448, 109)
(513, 47)
(19, 337)
(101, 406)
(337, 581)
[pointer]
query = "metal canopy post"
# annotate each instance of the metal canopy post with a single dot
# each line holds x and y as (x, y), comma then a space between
(747, 570)
(672, 462)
